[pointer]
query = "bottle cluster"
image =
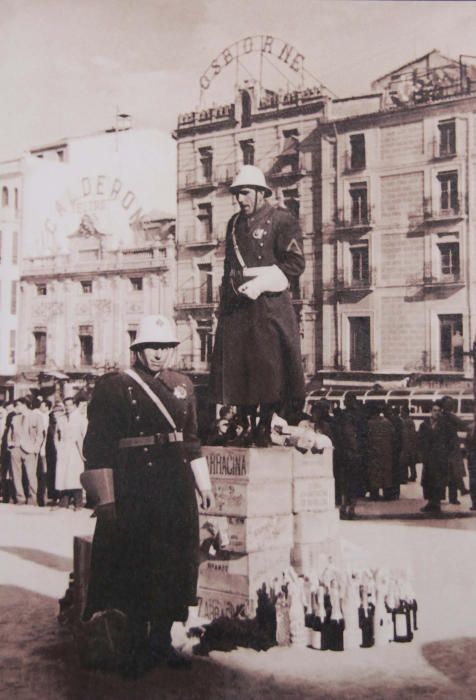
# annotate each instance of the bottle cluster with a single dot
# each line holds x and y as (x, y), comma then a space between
(339, 609)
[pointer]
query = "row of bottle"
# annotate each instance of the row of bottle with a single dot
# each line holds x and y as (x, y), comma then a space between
(371, 608)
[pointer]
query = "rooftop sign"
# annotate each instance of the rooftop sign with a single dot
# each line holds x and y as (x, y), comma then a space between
(264, 44)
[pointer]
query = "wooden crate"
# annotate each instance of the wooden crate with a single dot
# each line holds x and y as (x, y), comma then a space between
(243, 574)
(213, 604)
(249, 464)
(250, 482)
(310, 465)
(240, 534)
(82, 562)
(309, 558)
(313, 494)
(310, 527)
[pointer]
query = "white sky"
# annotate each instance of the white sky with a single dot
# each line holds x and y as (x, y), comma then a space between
(65, 65)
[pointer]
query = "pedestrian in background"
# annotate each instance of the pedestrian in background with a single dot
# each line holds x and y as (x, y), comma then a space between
(43, 409)
(436, 440)
(8, 492)
(408, 454)
(456, 466)
(380, 441)
(25, 436)
(70, 431)
(470, 445)
(351, 438)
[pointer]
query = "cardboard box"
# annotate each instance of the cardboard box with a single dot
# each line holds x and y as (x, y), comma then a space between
(213, 604)
(313, 494)
(243, 574)
(240, 534)
(313, 465)
(310, 527)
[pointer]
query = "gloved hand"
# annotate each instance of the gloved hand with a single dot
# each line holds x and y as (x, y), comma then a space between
(106, 512)
(207, 499)
(269, 278)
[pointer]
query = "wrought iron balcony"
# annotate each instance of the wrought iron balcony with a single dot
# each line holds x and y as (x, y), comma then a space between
(442, 210)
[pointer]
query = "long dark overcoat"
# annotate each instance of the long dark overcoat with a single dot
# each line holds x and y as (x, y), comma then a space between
(436, 441)
(147, 561)
(380, 442)
(257, 354)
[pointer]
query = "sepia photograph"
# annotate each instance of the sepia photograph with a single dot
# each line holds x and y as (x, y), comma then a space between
(237, 349)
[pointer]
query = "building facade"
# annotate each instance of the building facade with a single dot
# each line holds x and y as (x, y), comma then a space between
(398, 285)
(277, 132)
(10, 223)
(98, 250)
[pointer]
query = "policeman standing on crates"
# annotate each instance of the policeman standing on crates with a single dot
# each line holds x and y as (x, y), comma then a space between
(256, 363)
(143, 466)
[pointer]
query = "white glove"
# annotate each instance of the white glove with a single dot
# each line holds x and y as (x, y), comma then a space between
(265, 279)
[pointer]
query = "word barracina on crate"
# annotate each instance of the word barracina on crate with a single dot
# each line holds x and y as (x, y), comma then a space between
(250, 482)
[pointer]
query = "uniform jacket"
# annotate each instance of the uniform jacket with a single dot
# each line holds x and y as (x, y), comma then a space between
(148, 560)
(257, 356)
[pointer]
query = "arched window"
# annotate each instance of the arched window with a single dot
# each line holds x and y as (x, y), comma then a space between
(245, 109)
(4, 196)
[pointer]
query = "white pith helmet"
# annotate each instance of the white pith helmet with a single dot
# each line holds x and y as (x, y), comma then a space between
(250, 176)
(155, 329)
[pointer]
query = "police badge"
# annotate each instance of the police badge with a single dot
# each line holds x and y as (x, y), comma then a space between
(180, 392)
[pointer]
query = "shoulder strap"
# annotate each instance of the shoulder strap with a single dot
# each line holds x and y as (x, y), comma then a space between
(151, 396)
(235, 244)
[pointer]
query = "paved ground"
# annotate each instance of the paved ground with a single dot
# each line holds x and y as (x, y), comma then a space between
(38, 660)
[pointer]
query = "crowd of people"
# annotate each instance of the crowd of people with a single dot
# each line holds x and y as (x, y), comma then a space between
(377, 447)
(41, 453)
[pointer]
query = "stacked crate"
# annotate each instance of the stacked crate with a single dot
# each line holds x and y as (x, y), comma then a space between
(315, 517)
(246, 539)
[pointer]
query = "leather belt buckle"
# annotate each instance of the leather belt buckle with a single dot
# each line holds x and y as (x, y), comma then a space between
(176, 436)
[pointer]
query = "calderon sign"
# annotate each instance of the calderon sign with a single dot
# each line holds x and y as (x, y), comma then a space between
(264, 44)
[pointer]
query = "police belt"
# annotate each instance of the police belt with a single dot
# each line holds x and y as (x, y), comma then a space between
(146, 440)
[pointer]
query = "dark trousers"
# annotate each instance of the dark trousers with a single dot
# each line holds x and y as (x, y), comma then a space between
(472, 475)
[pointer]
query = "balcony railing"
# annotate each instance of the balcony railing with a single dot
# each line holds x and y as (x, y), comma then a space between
(364, 281)
(352, 165)
(131, 259)
(197, 296)
(440, 151)
(193, 181)
(443, 211)
(194, 236)
(362, 220)
(212, 114)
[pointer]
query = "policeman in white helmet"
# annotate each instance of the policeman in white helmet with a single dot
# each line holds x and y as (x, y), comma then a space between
(250, 189)
(143, 466)
(256, 363)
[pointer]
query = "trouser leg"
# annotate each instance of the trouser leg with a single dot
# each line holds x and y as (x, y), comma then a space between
(452, 491)
(41, 479)
(17, 469)
(160, 639)
(30, 462)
